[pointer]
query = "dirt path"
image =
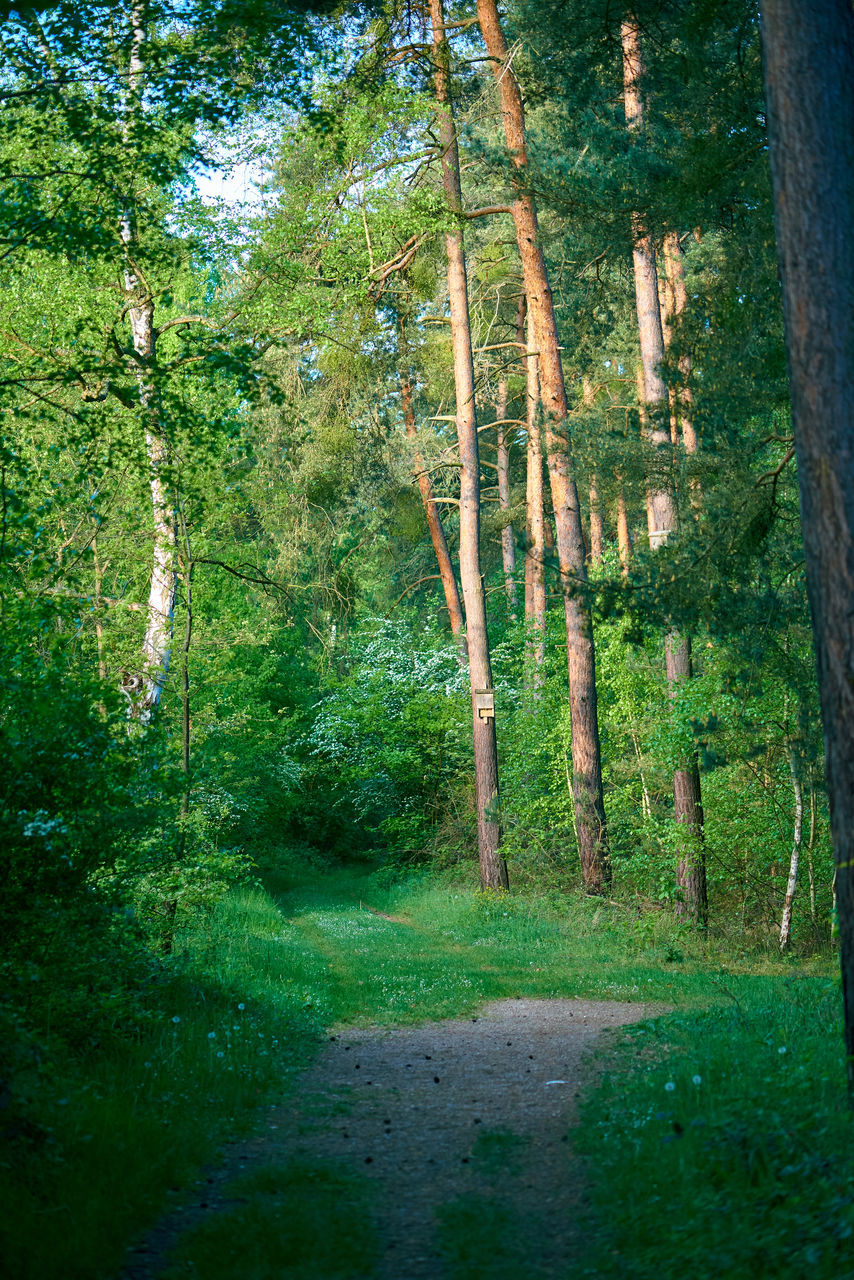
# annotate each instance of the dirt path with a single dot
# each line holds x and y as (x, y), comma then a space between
(462, 1127)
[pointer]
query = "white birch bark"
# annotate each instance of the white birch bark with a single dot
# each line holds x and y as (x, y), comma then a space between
(144, 690)
(786, 922)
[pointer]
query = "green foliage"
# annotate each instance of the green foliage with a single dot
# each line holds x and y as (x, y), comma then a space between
(326, 716)
(388, 741)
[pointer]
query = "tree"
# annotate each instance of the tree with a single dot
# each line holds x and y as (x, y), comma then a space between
(662, 513)
(809, 83)
(591, 829)
(493, 869)
(431, 509)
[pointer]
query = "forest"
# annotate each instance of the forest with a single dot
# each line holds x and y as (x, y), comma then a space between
(427, 613)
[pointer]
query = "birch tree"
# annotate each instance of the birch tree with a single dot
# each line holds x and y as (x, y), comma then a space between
(144, 689)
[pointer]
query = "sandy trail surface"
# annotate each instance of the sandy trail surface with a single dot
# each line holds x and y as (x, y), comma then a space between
(452, 1122)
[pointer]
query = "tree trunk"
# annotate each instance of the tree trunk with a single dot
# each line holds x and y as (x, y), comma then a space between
(591, 830)
(809, 86)
(493, 869)
(99, 626)
(144, 689)
(535, 562)
(624, 541)
(596, 521)
(508, 541)
(661, 503)
(597, 528)
(797, 789)
(687, 800)
(678, 300)
(810, 848)
(434, 519)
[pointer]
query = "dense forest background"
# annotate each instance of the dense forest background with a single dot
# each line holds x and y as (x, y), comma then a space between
(229, 454)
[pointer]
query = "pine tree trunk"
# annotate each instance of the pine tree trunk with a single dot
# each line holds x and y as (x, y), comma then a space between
(493, 869)
(809, 87)
(597, 529)
(434, 519)
(661, 503)
(591, 830)
(677, 301)
(508, 540)
(687, 800)
(535, 563)
(624, 541)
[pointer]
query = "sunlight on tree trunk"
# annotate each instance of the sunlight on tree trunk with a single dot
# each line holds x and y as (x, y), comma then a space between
(624, 541)
(508, 540)
(434, 519)
(145, 690)
(683, 396)
(590, 825)
(493, 869)
(535, 556)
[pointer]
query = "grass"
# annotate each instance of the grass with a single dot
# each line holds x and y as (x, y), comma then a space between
(481, 1237)
(723, 1145)
(121, 1115)
(301, 1222)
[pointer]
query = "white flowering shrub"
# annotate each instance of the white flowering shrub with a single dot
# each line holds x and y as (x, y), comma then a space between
(389, 741)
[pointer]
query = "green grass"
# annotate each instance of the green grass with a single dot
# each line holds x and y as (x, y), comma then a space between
(300, 1222)
(132, 1107)
(481, 1237)
(723, 1145)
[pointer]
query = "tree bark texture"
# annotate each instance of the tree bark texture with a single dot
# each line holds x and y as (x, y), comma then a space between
(434, 519)
(808, 48)
(624, 540)
(493, 869)
(508, 540)
(661, 501)
(535, 540)
(597, 528)
(797, 836)
(677, 301)
(145, 690)
(591, 830)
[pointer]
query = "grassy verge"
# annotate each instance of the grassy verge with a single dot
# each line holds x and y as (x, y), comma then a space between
(115, 1108)
(301, 1222)
(117, 1098)
(724, 1146)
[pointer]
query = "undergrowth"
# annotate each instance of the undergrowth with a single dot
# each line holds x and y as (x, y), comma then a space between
(120, 1091)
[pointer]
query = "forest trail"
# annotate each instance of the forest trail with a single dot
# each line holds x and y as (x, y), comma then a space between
(461, 1128)
(440, 1150)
